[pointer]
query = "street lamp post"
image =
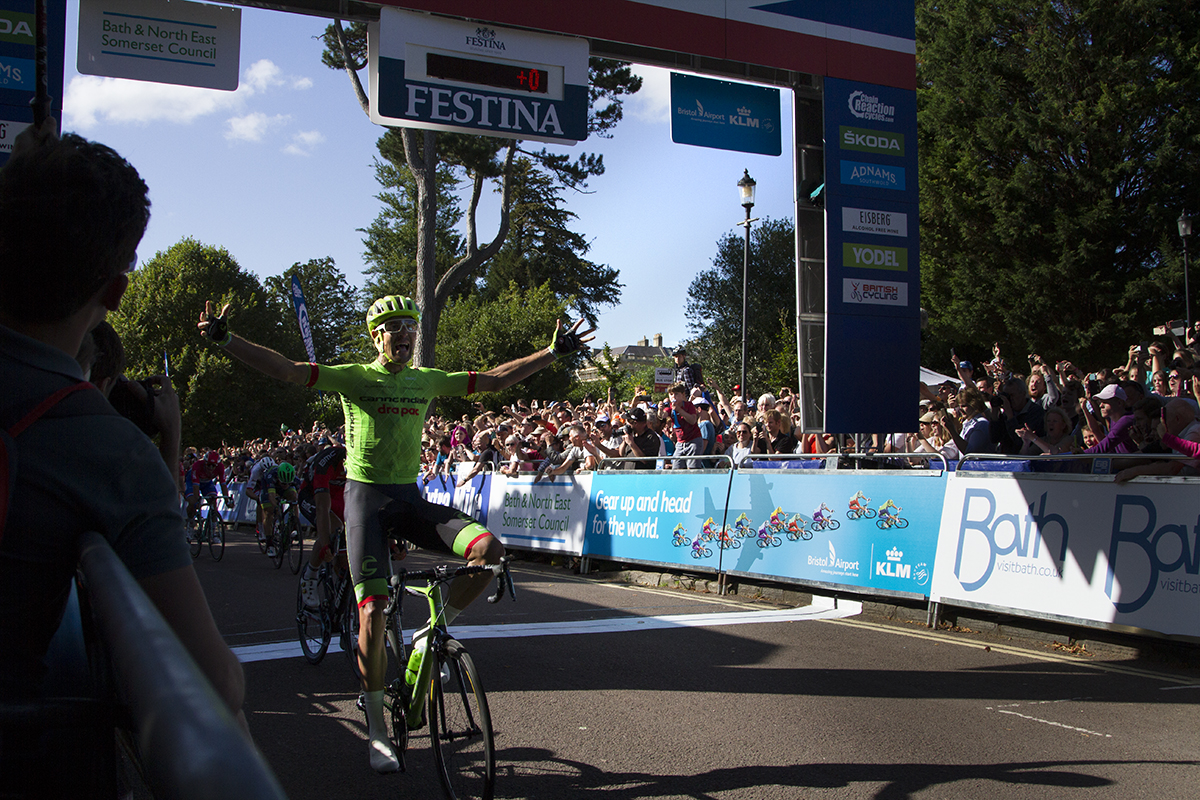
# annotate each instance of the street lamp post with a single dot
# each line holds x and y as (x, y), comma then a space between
(1185, 233)
(746, 192)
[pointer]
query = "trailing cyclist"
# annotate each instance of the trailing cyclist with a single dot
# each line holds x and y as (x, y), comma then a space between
(202, 479)
(322, 500)
(385, 402)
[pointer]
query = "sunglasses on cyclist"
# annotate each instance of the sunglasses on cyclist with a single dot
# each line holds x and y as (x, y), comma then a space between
(397, 325)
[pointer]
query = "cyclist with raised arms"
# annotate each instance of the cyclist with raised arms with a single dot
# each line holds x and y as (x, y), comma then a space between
(385, 402)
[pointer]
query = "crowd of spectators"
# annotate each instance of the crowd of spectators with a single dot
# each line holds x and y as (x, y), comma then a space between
(998, 408)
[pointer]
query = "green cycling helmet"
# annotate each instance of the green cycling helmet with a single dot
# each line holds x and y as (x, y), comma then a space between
(389, 307)
(285, 472)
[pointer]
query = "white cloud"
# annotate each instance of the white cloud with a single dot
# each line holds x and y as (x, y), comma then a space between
(261, 75)
(653, 102)
(304, 142)
(91, 100)
(252, 127)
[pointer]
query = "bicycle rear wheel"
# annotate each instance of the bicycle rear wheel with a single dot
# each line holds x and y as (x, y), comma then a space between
(315, 626)
(349, 640)
(295, 545)
(216, 536)
(461, 727)
(279, 540)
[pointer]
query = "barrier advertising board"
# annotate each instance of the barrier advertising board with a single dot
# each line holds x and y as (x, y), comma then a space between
(817, 528)
(547, 515)
(674, 518)
(1081, 549)
(857, 529)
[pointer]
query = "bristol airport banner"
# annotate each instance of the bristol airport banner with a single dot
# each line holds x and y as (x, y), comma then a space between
(853, 529)
(1074, 549)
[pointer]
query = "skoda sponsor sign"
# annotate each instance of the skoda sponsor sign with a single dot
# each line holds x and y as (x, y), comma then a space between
(871, 141)
(874, 293)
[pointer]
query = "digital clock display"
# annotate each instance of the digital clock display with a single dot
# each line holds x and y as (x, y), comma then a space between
(502, 76)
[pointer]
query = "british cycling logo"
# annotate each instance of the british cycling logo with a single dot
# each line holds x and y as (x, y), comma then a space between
(865, 106)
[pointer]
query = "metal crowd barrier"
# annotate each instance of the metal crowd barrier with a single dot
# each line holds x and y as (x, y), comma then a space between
(191, 747)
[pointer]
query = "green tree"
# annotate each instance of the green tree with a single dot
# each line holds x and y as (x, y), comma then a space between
(714, 308)
(542, 249)
(478, 334)
(335, 315)
(1058, 143)
(157, 320)
(480, 160)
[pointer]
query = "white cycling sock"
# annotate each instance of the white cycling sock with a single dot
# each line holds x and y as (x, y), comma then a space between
(383, 757)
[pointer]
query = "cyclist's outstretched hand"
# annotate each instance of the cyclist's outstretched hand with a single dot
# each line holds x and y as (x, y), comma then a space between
(569, 341)
(214, 326)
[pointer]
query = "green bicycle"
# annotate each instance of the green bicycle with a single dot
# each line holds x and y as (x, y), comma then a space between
(460, 725)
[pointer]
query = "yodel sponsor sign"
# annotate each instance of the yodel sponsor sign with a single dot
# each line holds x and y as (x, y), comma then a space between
(866, 256)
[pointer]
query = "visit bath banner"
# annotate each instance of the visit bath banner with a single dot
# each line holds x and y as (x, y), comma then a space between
(1073, 549)
(543, 515)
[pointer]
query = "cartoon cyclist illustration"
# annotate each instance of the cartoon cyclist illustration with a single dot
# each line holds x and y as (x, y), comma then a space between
(742, 526)
(776, 520)
(709, 530)
(679, 536)
(859, 506)
(885, 514)
(819, 517)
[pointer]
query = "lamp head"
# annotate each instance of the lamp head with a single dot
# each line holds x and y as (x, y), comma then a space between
(1185, 225)
(746, 189)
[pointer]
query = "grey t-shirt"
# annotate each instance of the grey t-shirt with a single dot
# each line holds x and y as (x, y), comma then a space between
(81, 467)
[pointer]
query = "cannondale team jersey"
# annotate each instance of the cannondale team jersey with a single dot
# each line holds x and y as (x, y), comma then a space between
(385, 414)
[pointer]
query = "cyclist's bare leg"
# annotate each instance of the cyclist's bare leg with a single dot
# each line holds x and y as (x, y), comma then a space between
(372, 658)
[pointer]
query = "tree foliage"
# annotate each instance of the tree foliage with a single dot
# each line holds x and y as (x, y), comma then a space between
(220, 400)
(335, 313)
(714, 309)
(479, 333)
(1058, 143)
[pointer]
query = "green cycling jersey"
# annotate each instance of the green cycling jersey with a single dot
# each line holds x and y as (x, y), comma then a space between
(385, 414)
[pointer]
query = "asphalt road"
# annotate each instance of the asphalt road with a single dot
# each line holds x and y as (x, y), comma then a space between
(604, 690)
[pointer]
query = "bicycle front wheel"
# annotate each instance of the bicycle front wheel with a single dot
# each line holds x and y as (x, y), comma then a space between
(461, 728)
(216, 538)
(296, 547)
(314, 625)
(194, 543)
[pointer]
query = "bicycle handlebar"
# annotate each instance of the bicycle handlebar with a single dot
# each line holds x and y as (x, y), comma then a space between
(445, 572)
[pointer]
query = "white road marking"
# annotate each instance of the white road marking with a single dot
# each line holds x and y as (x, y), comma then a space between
(1050, 721)
(822, 608)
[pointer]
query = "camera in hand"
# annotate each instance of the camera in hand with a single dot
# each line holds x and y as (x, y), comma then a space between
(130, 404)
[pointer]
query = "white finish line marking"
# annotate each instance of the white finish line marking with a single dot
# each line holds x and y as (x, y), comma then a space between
(822, 608)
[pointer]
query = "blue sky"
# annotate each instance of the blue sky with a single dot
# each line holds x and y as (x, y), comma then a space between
(281, 171)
